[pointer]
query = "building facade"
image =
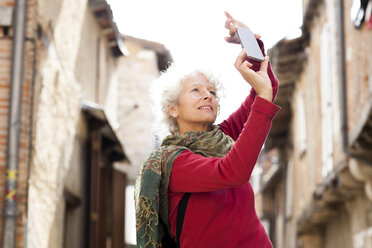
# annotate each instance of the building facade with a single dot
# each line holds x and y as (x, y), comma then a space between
(316, 180)
(58, 131)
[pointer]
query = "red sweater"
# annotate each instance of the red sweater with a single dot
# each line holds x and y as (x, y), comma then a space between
(221, 210)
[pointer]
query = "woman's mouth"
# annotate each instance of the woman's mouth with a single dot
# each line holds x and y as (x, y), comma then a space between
(207, 107)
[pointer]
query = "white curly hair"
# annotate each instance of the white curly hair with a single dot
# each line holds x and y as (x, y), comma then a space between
(165, 90)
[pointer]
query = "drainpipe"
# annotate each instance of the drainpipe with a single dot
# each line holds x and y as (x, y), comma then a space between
(342, 90)
(14, 122)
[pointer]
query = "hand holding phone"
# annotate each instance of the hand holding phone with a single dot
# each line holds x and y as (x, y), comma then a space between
(250, 44)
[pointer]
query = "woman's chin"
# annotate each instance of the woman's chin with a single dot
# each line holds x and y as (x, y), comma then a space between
(210, 121)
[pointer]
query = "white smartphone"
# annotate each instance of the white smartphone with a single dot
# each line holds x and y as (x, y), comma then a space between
(250, 44)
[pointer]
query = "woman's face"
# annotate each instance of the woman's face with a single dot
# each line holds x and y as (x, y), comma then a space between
(197, 105)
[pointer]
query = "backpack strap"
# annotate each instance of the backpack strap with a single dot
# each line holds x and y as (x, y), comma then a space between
(181, 216)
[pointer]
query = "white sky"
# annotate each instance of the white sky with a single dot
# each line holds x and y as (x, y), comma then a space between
(194, 31)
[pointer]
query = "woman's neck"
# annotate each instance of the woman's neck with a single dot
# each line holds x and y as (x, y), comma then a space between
(194, 128)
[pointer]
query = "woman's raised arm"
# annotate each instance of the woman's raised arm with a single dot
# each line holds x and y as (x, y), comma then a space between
(233, 125)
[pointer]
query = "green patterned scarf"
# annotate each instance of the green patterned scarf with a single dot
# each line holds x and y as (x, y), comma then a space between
(151, 190)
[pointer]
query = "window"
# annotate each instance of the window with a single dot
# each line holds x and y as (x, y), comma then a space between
(326, 98)
(363, 239)
(301, 123)
(289, 190)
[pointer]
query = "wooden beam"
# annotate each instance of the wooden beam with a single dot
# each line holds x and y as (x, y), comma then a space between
(118, 211)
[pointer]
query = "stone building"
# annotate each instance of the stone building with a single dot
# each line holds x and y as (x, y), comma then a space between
(145, 61)
(58, 123)
(316, 184)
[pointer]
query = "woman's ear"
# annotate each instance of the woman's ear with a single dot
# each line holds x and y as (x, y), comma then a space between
(173, 110)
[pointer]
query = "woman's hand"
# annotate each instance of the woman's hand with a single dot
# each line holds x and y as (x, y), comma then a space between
(232, 25)
(260, 80)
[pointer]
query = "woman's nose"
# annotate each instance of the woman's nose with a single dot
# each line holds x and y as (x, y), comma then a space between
(206, 95)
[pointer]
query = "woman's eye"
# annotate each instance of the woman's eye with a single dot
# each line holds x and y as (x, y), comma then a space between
(196, 90)
(212, 92)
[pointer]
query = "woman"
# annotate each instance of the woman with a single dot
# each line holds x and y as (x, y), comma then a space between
(212, 162)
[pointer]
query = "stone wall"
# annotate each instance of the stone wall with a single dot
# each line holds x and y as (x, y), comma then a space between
(69, 61)
(136, 72)
(55, 127)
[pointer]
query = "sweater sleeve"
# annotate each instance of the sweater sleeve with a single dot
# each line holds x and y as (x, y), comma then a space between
(234, 124)
(194, 173)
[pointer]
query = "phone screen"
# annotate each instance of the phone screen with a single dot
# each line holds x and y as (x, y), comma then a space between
(249, 43)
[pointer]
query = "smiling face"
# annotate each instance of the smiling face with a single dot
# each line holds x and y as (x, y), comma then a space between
(197, 105)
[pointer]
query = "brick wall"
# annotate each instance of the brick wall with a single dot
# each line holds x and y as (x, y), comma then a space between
(5, 64)
(24, 144)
